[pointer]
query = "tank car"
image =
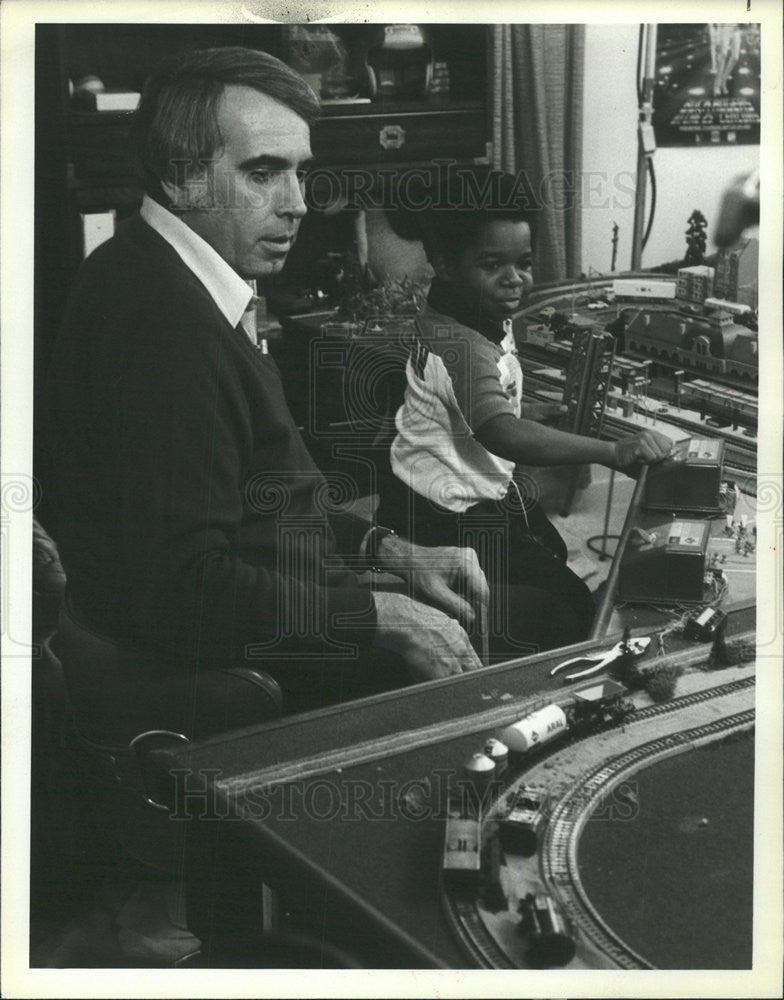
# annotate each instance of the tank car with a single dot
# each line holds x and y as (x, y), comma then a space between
(535, 729)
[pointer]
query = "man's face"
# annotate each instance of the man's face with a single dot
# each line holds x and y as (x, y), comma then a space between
(250, 204)
(493, 274)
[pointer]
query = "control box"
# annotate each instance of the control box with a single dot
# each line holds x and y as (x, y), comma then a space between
(665, 564)
(689, 479)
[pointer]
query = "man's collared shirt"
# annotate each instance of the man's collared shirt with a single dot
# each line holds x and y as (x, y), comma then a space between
(231, 293)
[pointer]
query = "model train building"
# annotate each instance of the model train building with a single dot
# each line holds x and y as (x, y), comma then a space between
(678, 323)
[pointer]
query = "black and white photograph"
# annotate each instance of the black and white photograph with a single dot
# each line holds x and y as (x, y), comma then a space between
(392, 503)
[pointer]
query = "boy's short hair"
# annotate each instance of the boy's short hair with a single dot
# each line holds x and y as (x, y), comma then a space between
(460, 208)
(176, 124)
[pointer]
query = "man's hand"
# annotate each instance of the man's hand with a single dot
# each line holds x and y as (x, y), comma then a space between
(447, 577)
(646, 447)
(542, 412)
(431, 644)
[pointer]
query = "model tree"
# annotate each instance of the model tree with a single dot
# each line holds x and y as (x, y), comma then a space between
(660, 684)
(696, 239)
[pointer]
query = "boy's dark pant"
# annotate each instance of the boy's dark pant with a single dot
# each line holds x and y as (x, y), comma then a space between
(537, 602)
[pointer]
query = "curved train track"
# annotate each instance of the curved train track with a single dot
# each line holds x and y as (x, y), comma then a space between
(461, 905)
(559, 855)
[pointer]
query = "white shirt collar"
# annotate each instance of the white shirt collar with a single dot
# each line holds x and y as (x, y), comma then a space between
(231, 293)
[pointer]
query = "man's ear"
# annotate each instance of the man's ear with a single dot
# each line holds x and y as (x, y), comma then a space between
(191, 193)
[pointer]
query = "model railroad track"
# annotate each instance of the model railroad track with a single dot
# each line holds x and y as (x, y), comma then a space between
(740, 456)
(559, 855)
(463, 917)
(461, 908)
(692, 699)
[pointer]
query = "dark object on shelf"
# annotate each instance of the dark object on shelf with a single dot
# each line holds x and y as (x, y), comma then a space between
(550, 932)
(400, 62)
(689, 479)
(665, 564)
(704, 625)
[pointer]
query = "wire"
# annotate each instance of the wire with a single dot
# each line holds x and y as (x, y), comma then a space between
(599, 552)
(652, 212)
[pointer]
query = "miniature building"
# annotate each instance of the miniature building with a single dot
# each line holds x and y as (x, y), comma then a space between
(737, 273)
(695, 284)
(715, 344)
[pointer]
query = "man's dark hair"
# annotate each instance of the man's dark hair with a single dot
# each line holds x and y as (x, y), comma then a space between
(176, 126)
(470, 200)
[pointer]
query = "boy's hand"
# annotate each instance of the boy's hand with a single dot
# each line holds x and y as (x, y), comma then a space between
(542, 412)
(646, 447)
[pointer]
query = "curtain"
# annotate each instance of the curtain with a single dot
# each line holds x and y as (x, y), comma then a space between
(537, 129)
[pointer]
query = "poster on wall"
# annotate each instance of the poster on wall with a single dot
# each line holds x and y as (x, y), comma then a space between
(707, 89)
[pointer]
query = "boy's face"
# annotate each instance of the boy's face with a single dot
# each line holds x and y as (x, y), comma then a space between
(493, 274)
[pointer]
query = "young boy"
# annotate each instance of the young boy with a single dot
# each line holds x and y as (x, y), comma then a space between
(463, 428)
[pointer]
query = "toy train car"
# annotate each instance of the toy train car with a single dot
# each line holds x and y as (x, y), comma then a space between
(535, 729)
(722, 401)
(519, 829)
(462, 860)
(650, 290)
(599, 704)
(734, 308)
(552, 940)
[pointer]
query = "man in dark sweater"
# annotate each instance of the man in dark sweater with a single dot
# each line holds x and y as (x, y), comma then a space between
(191, 520)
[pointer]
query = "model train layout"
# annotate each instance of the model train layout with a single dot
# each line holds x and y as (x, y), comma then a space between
(686, 348)
(512, 886)
(599, 704)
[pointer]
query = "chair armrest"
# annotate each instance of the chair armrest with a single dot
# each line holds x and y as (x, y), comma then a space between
(261, 680)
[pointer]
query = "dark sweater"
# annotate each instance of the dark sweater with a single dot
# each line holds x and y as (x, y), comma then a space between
(189, 513)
